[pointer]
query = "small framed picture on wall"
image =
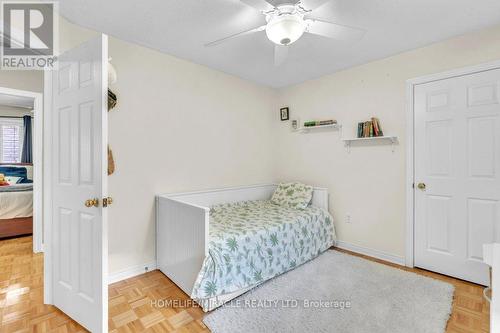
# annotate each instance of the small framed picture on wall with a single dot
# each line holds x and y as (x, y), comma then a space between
(284, 114)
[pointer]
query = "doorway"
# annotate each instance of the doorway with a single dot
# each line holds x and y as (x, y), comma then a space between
(21, 164)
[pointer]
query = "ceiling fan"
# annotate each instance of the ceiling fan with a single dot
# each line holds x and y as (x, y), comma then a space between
(287, 22)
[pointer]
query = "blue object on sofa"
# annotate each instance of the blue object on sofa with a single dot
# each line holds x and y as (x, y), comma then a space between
(16, 172)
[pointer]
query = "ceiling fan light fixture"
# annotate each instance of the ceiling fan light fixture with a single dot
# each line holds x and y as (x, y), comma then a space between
(285, 29)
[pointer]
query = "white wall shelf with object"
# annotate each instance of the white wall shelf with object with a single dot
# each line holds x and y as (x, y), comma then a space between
(370, 131)
(387, 138)
(313, 125)
(314, 128)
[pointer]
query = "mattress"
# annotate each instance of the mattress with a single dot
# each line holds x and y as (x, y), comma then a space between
(253, 241)
(16, 201)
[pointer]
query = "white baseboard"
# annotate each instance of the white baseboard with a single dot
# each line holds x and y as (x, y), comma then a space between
(399, 260)
(141, 269)
(131, 272)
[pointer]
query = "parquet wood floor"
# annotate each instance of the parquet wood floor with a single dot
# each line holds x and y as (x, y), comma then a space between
(132, 305)
(21, 292)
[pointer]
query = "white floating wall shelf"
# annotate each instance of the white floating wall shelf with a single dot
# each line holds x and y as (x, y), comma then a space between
(391, 139)
(304, 129)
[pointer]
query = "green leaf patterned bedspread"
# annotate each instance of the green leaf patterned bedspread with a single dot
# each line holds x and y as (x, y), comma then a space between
(253, 241)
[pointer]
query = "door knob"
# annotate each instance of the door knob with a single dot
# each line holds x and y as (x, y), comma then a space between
(107, 201)
(92, 202)
(421, 186)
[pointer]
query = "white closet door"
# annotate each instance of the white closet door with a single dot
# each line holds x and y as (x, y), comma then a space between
(457, 157)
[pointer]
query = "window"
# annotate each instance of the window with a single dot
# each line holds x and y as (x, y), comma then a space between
(11, 140)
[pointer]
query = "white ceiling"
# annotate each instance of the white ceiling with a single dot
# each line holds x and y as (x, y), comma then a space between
(182, 27)
(16, 101)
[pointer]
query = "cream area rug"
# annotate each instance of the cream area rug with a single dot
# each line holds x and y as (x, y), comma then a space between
(337, 292)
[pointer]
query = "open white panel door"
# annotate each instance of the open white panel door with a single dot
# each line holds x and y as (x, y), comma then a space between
(78, 237)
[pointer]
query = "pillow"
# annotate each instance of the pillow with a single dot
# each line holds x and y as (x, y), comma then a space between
(293, 195)
(15, 171)
(13, 180)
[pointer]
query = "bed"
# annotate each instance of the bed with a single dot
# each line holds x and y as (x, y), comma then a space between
(216, 245)
(16, 202)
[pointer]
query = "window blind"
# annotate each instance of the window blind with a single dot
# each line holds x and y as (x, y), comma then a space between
(11, 137)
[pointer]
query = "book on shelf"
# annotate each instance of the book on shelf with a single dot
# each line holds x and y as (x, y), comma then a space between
(369, 128)
(378, 128)
(318, 123)
(360, 129)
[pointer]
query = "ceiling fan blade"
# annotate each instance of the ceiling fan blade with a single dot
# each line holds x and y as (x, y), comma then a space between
(261, 5)
(280, 54)
(239, 34)
(333, 30)
(313, 4)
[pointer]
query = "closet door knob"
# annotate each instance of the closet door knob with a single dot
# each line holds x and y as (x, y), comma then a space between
(421, 186)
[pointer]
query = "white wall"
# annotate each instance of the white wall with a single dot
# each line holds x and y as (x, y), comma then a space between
(368, 183)
(9, 111)
(23, 80)
(177, 126)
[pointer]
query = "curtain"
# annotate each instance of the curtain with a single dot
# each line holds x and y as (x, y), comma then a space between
(27, 153)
